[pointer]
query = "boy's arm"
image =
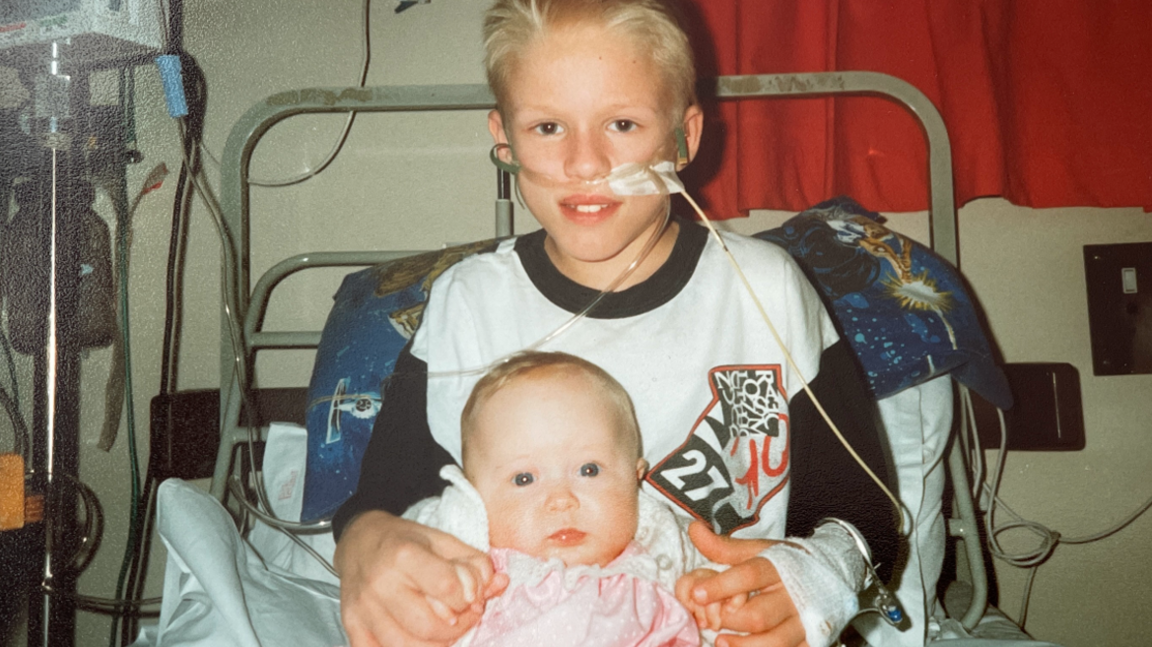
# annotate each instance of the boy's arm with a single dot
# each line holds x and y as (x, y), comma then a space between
(826, 480)
(402, 462)
(400, 581)
(820, 573)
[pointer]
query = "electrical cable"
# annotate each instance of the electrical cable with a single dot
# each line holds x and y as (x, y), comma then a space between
(21, 438)
(1048, 539)
(971, 448)
(230, 304)
(1022, 616)
(124, 216)
(190, 163)
(101, 605)
(93, 527)
(288, 528)
(168, 353)
(123, 229)
(6, 346)
(172, 30)
(6, 186)
(237, 489)
(85, 552)
(307, 175)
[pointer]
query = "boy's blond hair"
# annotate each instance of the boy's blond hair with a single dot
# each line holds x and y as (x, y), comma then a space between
(511, 25)
(540, 364)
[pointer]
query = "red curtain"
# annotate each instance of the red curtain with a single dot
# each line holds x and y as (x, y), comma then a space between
(1048, 103)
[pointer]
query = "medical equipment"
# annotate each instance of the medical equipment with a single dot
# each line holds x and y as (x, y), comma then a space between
(104, 33)
(876, 598)
(56, 47)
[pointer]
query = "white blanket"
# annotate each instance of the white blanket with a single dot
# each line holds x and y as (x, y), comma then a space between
(220, 591)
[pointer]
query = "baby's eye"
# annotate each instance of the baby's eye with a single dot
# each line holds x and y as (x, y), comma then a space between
(547, 128)
(523, 478)
(623, 125)
(589, 469)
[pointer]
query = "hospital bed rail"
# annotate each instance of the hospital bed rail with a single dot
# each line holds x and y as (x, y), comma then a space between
(236, 204)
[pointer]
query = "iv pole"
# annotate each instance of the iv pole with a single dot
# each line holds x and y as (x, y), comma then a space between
(56, 408)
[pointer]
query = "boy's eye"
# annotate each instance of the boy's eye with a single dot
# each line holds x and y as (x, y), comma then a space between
(589, 469)
(623, 125)
(547, 128)
(522, 479)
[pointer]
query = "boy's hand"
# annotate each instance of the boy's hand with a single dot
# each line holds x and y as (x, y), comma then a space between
(707, 616)
(471, 588)
(767, 614)
(406, 585)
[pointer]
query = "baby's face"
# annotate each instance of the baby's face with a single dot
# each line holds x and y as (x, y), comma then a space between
(547, 456)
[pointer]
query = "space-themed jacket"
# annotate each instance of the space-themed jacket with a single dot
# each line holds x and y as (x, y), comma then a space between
(731, 435)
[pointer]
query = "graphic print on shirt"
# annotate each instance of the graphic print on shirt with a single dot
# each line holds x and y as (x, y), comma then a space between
(736, 456)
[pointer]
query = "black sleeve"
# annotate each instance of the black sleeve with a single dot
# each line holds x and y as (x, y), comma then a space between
(826, 480)
(402, 462)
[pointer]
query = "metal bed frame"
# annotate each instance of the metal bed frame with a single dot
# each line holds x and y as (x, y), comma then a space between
(253, 300)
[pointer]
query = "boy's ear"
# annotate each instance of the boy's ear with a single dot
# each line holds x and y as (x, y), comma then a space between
(502, 149)
(693, 128)
(496, 127)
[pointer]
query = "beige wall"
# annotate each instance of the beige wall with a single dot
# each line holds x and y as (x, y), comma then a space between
(1026, 268)
(406, 182)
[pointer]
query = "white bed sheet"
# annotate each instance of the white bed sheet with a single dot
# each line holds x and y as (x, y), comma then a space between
(223, 591)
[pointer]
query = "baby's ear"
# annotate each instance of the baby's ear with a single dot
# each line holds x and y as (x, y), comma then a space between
(641, 468)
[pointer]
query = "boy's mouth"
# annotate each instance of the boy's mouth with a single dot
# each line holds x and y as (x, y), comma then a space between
(588, 209)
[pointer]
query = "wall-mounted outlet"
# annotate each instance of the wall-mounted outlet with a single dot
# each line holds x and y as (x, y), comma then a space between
(1047, 414)
(1119, 279)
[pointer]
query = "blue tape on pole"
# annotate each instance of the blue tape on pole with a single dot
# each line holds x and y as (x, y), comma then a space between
(169, 65)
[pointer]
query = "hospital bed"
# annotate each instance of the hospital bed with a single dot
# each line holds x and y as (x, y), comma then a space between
(918, 418)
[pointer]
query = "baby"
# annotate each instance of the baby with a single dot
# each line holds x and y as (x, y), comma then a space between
(551, 452)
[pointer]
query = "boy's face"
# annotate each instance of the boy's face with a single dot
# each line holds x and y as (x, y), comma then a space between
(557, 480)
(580, 102)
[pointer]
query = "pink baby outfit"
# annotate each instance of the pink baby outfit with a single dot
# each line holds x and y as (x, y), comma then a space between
(628, 602)
(547, 603)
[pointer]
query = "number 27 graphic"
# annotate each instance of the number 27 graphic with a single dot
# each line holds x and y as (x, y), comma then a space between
(697, 464)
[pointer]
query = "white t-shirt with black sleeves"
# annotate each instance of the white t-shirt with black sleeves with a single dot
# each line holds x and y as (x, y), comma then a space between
(710, 384)
(730, 436)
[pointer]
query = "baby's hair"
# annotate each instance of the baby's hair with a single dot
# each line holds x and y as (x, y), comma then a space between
(526, 364)
(511, 25)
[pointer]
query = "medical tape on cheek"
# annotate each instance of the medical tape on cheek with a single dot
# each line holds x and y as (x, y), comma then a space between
(631, 179)
(642, 179)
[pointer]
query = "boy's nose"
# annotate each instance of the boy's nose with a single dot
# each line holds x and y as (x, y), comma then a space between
(588, 157)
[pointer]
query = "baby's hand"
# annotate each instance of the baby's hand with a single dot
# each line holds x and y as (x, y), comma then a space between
(476, 592)
(707, 616)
